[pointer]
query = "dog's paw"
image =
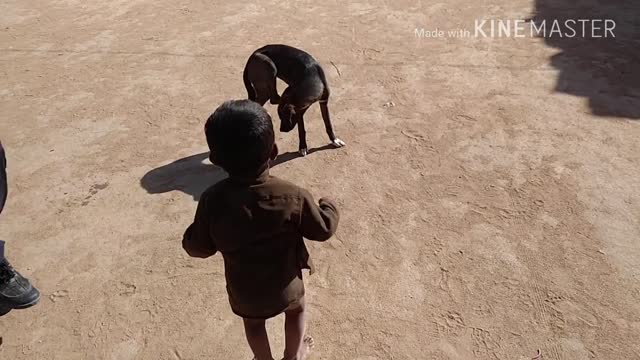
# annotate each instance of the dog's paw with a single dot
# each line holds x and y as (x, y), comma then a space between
(338, 143)
(303, 152)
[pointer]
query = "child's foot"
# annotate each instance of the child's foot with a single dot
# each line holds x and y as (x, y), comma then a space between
(307, 345)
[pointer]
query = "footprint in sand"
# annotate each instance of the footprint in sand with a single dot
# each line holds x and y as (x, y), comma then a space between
(58, 295)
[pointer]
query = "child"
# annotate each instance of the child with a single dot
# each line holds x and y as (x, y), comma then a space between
(257, 222)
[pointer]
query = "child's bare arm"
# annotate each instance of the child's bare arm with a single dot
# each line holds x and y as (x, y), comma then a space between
(317, 221)
(197, 241)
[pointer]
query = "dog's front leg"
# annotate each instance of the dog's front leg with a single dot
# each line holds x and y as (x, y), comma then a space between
(302, 135)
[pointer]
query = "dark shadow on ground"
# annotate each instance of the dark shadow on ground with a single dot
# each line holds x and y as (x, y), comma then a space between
(606, 71)
(288, 156)
(191, 175)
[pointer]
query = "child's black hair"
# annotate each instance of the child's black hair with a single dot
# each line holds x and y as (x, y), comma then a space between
(240, 137)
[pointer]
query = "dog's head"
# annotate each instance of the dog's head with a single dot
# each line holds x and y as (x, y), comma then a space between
(287, 113)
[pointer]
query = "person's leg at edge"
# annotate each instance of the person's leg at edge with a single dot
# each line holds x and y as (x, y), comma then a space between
(3, 178)
(257, 338)
(3, 191)
(16, 292)
(297, 345)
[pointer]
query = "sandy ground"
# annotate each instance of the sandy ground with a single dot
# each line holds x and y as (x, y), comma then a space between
(489, 187)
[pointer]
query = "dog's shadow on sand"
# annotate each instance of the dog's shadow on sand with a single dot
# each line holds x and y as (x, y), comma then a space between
(288, 156)
(193, 174)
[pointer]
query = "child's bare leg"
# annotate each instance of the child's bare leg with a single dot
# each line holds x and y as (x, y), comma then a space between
(297, 347)
(257, 338)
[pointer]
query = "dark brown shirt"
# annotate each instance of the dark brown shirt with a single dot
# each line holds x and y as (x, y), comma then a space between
(258, 225)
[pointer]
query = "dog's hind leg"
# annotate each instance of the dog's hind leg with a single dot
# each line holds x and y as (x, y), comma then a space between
(324, 109)
(251, 92)
(260, 74)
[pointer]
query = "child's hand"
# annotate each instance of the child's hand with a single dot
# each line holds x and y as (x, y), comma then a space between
(317, 222)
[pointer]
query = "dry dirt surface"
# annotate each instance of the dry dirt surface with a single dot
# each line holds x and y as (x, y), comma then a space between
(489, 188)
